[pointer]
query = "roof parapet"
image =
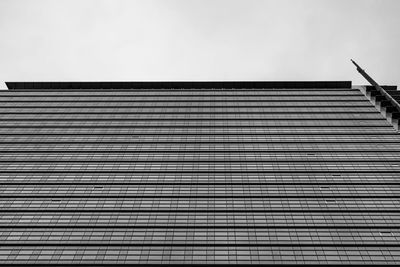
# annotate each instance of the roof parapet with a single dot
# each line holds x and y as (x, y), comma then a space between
(178, 85)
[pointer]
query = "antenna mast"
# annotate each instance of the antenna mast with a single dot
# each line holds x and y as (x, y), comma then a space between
(376, 85)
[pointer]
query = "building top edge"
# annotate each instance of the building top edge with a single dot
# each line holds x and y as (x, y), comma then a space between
(177, 85)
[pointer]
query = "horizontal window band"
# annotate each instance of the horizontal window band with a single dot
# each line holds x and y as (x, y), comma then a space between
(174, 100)
(201, 179)
(187, 113)
(252, 152)
(179, 87)
(197, 196)
(206, 232)
(96, 192)
(364, 104)
(197, 171)
(255, 211)
(280, 195)
(239, 172)
(200, 171)
(214, 235)
(248, 210)
(206, 142)
(183, 112)
(389, 127)
(376, 129)
(217, 129)
(394, 134)
(201, 183)
(246, 192)
(367, 105)
(278, 102)
(192, 227)
(169, 91)
(41, 204)
(192, 119)
(114, 215)
(206, 156)
(168, 88)
(203, 137)
(186, 244)
(55, 226)
(180, 98)
(229, 200)
(246, 94)
(189, 161)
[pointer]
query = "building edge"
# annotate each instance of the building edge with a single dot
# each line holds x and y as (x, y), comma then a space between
(382, 104)
(178, 84)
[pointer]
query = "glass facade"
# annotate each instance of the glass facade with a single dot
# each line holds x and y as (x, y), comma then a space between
(138, 174)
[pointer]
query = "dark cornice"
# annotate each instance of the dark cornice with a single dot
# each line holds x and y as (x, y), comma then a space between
(177, 85)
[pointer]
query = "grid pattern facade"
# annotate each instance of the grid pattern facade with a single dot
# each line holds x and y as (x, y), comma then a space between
(197, 176)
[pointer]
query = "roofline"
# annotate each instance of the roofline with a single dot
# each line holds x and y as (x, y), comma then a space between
(177, 84)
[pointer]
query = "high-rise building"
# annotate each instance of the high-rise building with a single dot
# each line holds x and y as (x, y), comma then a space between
(198, 173)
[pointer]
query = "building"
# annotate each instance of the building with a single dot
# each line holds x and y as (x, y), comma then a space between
(198, 173)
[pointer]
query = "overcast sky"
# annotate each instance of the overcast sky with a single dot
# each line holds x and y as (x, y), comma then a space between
(149, 40)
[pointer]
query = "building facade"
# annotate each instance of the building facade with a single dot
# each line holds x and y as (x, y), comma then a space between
(197, 173)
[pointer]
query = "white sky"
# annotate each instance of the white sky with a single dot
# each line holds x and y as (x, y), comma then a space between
(150, 40)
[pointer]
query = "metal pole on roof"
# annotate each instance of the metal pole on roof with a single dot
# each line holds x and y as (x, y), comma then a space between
(376, 85)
